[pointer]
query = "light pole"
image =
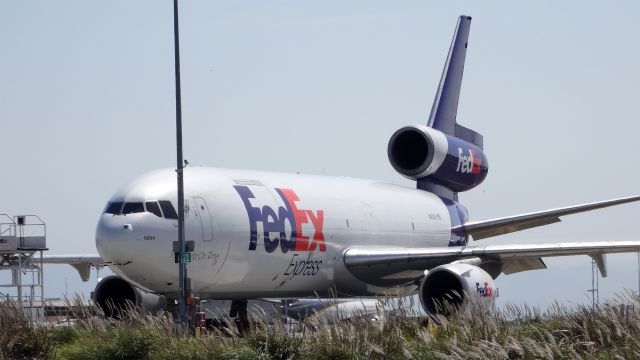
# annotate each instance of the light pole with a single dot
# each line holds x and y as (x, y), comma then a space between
(182, 266)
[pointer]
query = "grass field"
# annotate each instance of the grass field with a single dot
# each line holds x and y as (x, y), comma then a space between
(611, 331)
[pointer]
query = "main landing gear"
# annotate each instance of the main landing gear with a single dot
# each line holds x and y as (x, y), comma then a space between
(238, 311)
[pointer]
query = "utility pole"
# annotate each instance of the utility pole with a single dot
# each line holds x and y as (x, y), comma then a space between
(182, 265)
(595, 288)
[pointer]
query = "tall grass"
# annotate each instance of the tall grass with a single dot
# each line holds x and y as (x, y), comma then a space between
(610, 331)
(19, 337)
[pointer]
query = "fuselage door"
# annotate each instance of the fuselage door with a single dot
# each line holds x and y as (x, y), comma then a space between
(205, 218)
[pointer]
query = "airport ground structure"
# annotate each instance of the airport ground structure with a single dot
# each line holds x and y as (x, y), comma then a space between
(23, 244)
(23, 240)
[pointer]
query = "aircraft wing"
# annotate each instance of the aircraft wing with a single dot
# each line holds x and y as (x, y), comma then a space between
(500, 226)
(81, 262)
(401, 266)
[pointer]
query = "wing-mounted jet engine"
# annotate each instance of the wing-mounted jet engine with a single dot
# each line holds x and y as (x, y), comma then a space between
(113, 294)
(456, 286)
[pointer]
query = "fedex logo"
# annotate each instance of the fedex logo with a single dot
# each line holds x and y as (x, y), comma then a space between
(468, 164)
(274, 223)
(484, 291)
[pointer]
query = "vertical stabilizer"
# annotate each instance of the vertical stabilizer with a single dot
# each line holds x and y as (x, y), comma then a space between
(443, 157)
(445, 105)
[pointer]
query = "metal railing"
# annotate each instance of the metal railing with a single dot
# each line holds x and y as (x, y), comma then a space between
(31, 231)
(7, 225)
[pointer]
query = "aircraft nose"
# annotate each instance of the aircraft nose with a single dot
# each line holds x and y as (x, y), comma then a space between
(113, 233)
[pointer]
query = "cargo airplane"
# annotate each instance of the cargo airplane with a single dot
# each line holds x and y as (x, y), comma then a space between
(272, 235)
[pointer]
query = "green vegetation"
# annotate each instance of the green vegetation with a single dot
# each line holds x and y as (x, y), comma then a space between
(611, 331)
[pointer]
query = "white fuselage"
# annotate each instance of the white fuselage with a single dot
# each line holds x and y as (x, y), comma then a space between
(301, 226)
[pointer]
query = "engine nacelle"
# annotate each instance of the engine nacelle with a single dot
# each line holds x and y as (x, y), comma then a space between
(114, 293)
(456, 286)
(418, 151)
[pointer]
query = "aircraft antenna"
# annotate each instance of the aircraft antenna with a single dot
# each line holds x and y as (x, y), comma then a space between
(182, 266)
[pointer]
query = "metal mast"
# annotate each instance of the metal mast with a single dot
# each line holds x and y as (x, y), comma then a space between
(595, 287)
(182, 272)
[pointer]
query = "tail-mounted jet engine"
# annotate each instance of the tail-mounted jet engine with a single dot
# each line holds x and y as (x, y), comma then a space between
(421, 152)
(456, 286)
(113, 294)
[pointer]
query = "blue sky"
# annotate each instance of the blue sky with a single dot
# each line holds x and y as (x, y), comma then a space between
(86, 104)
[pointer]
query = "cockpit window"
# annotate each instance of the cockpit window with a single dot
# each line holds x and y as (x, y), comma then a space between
(122, 208)
(153, 208)
(168, 210)
(114, 208)
(132, 207)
